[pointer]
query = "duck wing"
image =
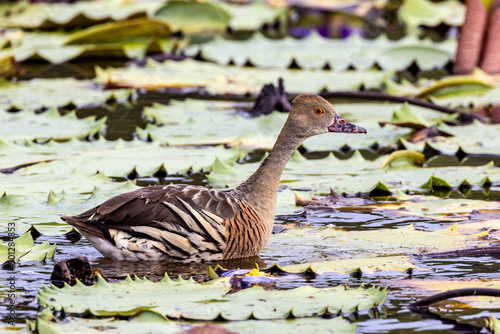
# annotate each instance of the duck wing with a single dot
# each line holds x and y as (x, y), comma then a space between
(181, 219)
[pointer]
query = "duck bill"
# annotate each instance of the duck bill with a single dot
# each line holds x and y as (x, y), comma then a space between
(341, 125)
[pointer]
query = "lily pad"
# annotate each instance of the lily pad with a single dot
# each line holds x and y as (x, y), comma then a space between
(425, 12)
(47, 125)
(113, 157)
(452, 87)
(218, 79)
(340, 54)
(193, 16)
(115, 31)
(157, 323)
(450, 209)
(190, 300)
(252, 16)
(210, 124)
(494, 324)
(25, 211)
(46, 93)
(475, 138)
(8, 65)
(25, 250)
(367, 266)
(51, 15)
(94, 42)
(219, 123)
(330, 243)
(357, 174)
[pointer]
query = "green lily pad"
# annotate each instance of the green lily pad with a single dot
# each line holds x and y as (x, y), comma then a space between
(47, 125)
(368, 266)
(218, 79)
(405, 117)
(113, 31)
(157, 323)
(252, 16)
(494, 324)
(80, 194)
(112, 157)
(361, 54)
(209, 124)
(194, 17)
(219, 123)
(454, 209)
(190, 300)
(357, 174)
(47, 93)
(475, 138)
(51, 15)
(25, 250)
(425, 12)
(53, 47)
(329, 243)
(413, 156)
(8, 65)
(447, 89)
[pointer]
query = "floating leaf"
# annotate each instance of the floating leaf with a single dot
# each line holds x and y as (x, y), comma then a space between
(208, 301)
(475, 138)
(52, 47)
(425, 12)
(194, 17)
(112, 157)
(45, 214)
(360, 175)
(413, 156)
(367, 266)
(252, 16)
(494, 324)
(47, 125)
(338, 54)
(478, 83)
(157, 323)
(329, 243)
(47, 93)
(456, 85)
(51, 15)
(218, 123)
(116, 31)
(25, 249)
(405, 117)
(436, 182)
(215, 78)
(441, 209)
(8, 65)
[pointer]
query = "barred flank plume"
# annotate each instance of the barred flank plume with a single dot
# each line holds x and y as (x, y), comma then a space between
(245, 232)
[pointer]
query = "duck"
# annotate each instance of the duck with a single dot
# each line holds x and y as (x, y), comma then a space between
(189, 223)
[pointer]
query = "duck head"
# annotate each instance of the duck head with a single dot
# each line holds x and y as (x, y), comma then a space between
(312, 115)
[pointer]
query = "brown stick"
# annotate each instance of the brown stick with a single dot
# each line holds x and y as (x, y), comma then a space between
(470, 40)
(423, 304)
(491, 55)
(464, 116)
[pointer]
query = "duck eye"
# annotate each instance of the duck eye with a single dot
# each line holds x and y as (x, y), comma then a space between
(343, 121)
(319, 111)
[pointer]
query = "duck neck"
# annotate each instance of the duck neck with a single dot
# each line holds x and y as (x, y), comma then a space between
(261, 188)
